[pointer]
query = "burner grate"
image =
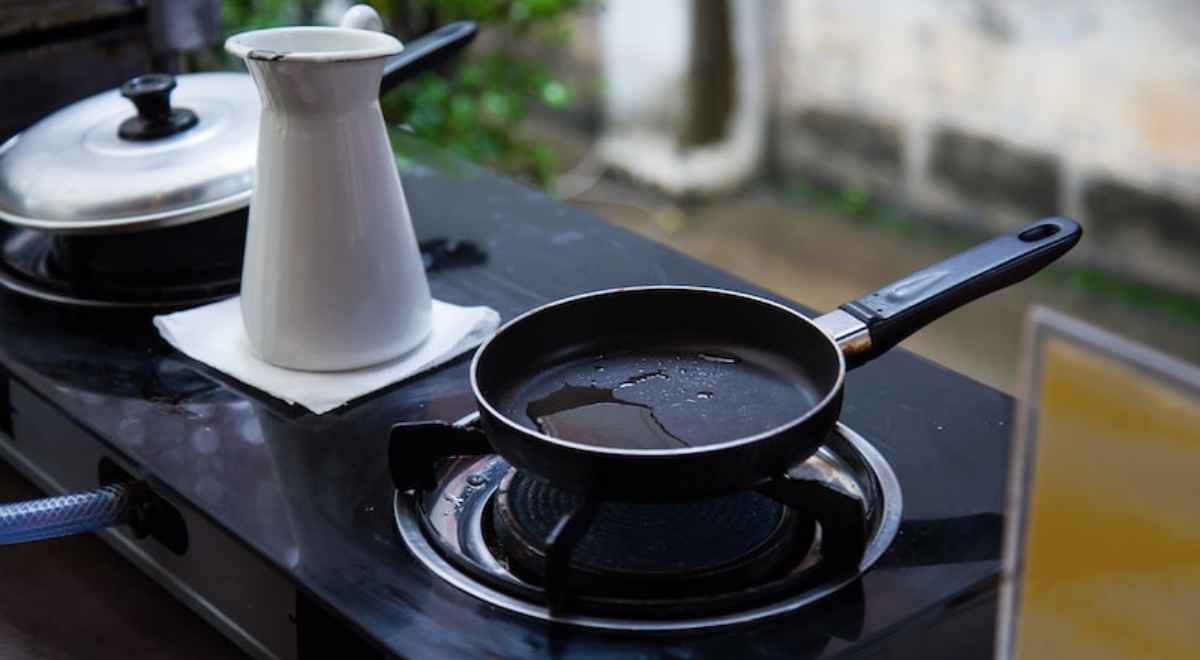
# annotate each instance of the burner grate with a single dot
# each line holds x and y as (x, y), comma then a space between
(844, 500)
(649, 549)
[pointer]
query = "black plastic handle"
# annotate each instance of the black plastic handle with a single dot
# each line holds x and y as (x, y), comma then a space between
(897, 310)
(151, 95)
(428, 51)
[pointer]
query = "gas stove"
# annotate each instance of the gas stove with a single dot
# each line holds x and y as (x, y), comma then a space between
(677, 566)
(299, 544)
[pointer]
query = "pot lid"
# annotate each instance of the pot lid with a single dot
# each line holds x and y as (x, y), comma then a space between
(158, 151)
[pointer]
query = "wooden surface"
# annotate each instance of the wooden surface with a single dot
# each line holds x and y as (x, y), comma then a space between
(76, 598)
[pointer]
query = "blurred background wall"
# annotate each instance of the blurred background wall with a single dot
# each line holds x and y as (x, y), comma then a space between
(686, 100)
(818, 148)
(978, 112)
(994, 110)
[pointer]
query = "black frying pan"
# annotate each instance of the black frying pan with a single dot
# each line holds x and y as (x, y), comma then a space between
(668, 391)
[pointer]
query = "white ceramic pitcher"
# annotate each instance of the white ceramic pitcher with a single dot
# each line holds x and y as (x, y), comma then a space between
(333, 277)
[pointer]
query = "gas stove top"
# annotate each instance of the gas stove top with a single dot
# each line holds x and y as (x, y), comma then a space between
(687, 565)
(299, 545)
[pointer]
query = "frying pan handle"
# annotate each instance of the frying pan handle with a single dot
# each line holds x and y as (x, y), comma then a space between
(892, 313)
(426, 52)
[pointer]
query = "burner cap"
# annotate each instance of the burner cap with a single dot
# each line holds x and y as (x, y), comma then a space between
(650, 549)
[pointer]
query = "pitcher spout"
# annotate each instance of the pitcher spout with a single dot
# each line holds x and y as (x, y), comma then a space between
(306, 69)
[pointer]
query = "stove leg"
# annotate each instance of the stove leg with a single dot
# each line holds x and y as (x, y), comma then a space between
(842, 516)
(414, 448)
(560, 543)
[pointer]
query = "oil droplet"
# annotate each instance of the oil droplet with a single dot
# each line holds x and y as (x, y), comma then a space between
(456, 502)
(594, 416)
(704, 394)
(641, 378)
(718, 358)
(477, 480)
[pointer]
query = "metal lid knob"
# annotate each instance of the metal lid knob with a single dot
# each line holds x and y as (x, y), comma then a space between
(151, 94)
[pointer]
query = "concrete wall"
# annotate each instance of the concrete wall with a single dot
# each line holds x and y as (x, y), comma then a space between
(996, 111)
(645, 62)
(649, 98)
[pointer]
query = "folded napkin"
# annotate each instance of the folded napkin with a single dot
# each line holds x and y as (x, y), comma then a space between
(214, 335)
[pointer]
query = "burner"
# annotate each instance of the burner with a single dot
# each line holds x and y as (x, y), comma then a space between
(180, 266)
(173, 267)
(728, 560)
(714, 545)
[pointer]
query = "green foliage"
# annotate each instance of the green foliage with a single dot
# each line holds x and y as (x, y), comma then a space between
(241, 15)
(519, 14)
(856, 201)
(477, 107)
(1169, 303)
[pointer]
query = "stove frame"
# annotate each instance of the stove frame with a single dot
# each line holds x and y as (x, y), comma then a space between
(315, 567)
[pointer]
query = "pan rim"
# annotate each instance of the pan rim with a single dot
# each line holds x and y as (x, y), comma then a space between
(813, 410)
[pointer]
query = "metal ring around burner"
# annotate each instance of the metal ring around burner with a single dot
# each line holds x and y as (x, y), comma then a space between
(847, 444)
(18, 285)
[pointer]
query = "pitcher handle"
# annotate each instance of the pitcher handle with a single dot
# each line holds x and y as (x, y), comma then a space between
(362, 17)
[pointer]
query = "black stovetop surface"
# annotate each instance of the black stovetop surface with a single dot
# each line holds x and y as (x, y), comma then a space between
(312, 494)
